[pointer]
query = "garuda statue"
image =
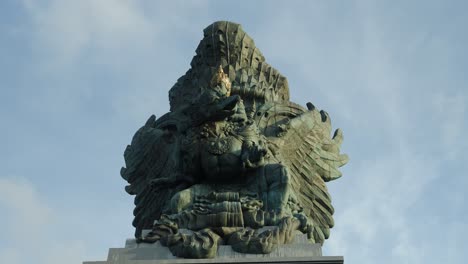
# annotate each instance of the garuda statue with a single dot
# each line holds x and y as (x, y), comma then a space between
(234, 161)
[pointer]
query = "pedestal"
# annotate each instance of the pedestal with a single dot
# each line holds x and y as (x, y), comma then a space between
(301, 251)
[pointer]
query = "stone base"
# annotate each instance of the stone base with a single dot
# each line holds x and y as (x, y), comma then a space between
(301, 251)
(259, 260)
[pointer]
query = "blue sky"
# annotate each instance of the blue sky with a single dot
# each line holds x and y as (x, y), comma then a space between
(78, 78)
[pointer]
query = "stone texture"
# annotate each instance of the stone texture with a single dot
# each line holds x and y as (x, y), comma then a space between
(301, 251)
(310, 260)
(235, 172)
(234, 161)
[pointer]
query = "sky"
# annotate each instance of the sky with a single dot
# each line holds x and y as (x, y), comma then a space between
(78, 78)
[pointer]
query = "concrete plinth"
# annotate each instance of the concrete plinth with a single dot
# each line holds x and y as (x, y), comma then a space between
(301, 251)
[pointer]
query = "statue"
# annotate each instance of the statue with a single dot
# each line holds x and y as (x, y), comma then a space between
(234, 161)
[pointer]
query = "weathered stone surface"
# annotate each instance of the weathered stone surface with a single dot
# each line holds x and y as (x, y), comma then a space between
(299, 252)
(291, 260)
(232, 156)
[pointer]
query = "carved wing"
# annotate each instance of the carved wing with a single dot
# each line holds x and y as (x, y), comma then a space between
(301, 140)
(151, 170)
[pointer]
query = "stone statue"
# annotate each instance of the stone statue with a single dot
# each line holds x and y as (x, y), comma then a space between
(234, 161)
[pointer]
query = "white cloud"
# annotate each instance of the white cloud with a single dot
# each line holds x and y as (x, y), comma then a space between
(377, 208)
(111, 31)
(450, 112)
(355, 68)
(26, 212)
(29, 228)
(10, 255)
(70, 252)
(67, 29)
(135, 42)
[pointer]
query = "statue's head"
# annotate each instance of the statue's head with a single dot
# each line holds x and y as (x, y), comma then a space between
(227, 45)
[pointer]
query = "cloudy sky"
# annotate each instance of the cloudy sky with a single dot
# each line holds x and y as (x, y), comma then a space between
(78, 78)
